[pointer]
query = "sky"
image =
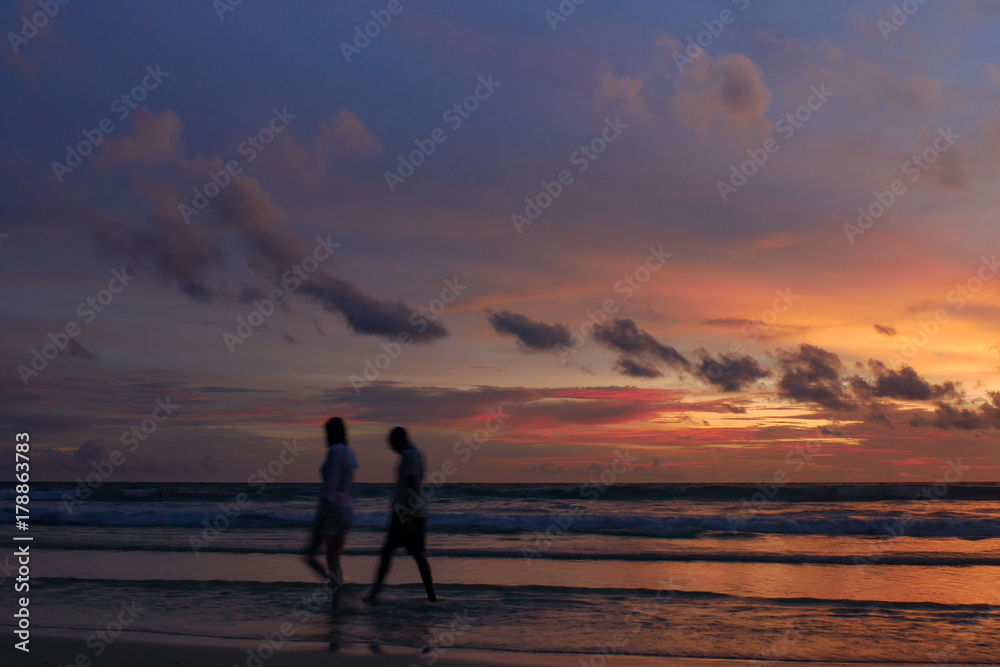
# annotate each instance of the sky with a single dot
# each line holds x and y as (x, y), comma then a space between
(734, 241)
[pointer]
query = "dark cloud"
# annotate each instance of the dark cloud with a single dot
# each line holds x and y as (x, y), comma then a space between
(636, 369)
(986, 416)
(728, 91)
(755, 329)
(91, 450)
(80, 351)
(530, 335)
(732, 372)
(876, 415)
(241, 230)
(728, 321)
(641, 353)
(885, 331)
(904, 384)
(736, 409)
(812, 375)
(210, 463)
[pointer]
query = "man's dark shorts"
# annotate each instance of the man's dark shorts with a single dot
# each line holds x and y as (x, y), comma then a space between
(409, 535)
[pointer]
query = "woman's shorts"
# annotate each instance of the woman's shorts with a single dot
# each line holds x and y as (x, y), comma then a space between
(329, 519)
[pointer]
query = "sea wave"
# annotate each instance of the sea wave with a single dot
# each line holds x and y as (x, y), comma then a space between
(935, 560)
(551, 525)
(735, 493)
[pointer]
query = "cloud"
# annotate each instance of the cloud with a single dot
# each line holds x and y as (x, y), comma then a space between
(987, 416)
(623, 88)
(886, 331)
(91, 450)
(154, 140)
(348, 135)
(641, 353)
(198, 259)
(636, 369)
(394, 403)
(952, 172)
(727, 93)
(903, 384)
(768, 242)
(79, 351)
(812, 375)
(309, 162)
(916, 94)
(756, 329)
(530, 335)
(732, 372)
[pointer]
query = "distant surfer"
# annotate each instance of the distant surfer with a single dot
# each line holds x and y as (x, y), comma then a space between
(336, 513)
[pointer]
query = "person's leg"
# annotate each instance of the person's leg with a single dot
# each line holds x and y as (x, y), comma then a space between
(383, 569)
(334, 547)
(316, 539)
(416, 549)
(391, 544)
(425, 574)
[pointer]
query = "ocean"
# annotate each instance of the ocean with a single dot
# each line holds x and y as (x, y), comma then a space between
(855, 572)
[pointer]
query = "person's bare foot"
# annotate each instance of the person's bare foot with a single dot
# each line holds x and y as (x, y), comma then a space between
(315, 565)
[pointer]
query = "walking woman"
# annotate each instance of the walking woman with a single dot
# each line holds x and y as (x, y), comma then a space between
(336, 512)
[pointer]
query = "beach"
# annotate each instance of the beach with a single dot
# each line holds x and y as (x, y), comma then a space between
(58, 649)
(817, 573)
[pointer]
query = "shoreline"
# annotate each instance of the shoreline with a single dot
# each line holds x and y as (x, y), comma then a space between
(57, 648)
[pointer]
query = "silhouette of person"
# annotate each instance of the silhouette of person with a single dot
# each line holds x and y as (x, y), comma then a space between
(336, 512)
(409, 514)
